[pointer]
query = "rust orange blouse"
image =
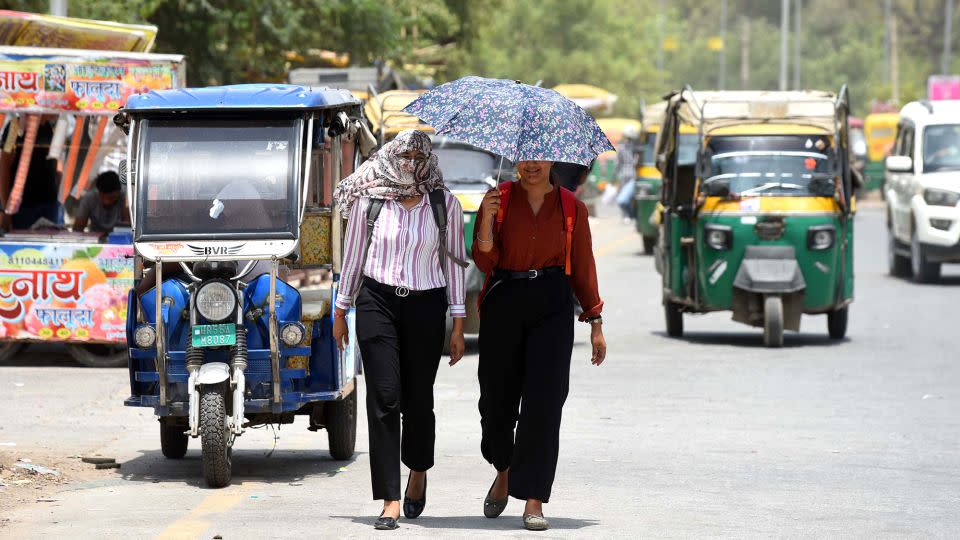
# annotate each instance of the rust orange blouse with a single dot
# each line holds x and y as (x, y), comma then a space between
(531, 242)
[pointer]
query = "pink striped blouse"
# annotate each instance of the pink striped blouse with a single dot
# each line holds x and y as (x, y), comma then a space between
(403, 251)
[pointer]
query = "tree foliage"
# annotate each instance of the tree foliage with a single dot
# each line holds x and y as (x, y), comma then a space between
(609, 43)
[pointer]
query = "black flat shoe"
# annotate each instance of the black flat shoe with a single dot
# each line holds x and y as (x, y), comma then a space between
(492, 508)
(385, 523)
(413, 508)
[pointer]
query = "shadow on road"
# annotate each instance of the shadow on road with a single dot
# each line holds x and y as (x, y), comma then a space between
(478, 522)
(41, 355)
(755, 340)
(281, 467)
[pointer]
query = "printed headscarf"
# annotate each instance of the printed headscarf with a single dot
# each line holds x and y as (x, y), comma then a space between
(387, 175)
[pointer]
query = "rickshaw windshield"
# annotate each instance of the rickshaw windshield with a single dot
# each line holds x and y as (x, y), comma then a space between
(793, 165)
(463, 166)
(941, 148)
(210, 179)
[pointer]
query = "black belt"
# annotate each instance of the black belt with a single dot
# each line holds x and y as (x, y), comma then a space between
(401, 291)
(509, 275)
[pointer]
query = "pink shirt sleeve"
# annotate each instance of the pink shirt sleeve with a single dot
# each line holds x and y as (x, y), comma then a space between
(353, 248)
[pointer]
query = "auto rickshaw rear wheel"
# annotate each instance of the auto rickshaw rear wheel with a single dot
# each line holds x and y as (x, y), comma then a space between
(673, 314)
(648, 244)
(10, 349)
(99, 356)
(341, 423)
(173, 438)
(215, 436)
(837, 323)
(773, 321)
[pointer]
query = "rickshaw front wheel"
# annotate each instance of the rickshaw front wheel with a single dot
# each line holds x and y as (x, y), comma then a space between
(173, 438)
(773, 321)
(341, 423)
(215, 437)
(837, 323)
(674, 318)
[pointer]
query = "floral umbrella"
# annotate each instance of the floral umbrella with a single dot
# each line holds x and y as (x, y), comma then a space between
(512, 119)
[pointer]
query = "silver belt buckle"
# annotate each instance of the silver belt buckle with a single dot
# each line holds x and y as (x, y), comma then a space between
(533, 274)
(402, 292)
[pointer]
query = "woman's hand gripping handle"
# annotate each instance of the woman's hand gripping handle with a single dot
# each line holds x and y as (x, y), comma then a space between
(489, 208)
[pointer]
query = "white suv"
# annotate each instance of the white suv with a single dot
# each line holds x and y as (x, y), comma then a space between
(923, 190)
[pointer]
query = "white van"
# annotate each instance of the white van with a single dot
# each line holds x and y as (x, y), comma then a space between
(923, 190)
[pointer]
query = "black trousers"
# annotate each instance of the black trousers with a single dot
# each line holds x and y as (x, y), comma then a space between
(401, 340)
(526, 340)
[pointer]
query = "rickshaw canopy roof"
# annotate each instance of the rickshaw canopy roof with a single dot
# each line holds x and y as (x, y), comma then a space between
(385, 111)
(613, 128)
(715, 110)
(241, 97)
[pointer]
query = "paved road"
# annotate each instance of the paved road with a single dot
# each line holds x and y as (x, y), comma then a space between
(709, 436)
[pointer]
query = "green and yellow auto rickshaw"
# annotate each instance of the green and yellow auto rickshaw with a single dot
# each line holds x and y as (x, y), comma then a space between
(649, 181)
(761, 224)
(880, 130)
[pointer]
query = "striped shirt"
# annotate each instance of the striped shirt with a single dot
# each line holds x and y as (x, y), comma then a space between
(404, 251)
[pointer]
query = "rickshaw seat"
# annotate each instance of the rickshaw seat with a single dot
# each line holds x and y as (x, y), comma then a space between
(316, 303)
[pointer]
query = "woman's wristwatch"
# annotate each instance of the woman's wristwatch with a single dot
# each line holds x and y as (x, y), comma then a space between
(594, 320)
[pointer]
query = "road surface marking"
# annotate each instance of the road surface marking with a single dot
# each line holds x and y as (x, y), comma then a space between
(610, 246)
(194, 523)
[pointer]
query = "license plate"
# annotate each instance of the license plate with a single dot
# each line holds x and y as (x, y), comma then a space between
(214, 335)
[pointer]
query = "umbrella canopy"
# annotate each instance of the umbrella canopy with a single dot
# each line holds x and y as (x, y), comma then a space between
(515, 120)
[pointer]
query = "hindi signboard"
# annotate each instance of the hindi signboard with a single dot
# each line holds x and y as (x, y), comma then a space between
(64, 292)
(45, 80)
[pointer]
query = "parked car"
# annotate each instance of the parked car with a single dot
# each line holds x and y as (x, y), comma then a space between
(923, 190)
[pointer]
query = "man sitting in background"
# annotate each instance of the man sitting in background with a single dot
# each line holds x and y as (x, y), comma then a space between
(102, 209)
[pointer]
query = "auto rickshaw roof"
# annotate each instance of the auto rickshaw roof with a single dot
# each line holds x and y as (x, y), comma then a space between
(613, 128)
(241, 97)
(385, 112)
(713, 110)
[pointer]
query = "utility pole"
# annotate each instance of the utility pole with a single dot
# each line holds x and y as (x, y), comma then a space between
(784, 32)
(660, 37)
(58, 8)
(796, 44)
(894, 62)
(744, 53)
(887, 16)
(723, 42)
(947, 36)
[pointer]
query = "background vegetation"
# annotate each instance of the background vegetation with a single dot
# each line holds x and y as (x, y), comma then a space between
(610, 43)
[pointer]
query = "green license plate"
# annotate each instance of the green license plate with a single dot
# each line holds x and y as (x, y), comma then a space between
(214, 335)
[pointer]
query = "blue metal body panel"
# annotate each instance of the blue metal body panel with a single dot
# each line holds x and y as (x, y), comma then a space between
(299, 387)
(240, 96)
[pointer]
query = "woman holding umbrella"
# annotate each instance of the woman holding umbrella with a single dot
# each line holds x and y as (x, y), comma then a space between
(534, 250)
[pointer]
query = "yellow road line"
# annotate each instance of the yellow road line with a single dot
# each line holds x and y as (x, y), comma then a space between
(610, 246)
(194, 523)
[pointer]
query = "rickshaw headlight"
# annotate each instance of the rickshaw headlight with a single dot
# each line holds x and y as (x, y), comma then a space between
(292, 334)
(145, 336)
(718, 237)
(216, 301)
(820, 238)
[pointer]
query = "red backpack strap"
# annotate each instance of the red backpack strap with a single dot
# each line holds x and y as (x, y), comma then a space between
(568, 203)
(505, 189)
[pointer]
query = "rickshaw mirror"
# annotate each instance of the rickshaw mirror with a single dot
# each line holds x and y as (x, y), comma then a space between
(122, 121)
(899, 164)
(338, 126)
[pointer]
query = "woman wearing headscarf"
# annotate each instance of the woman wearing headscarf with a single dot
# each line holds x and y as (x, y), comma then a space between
(526, 331)
(401, 295)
